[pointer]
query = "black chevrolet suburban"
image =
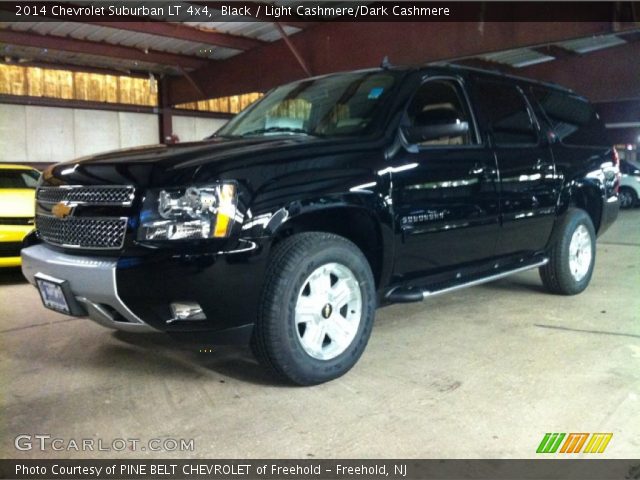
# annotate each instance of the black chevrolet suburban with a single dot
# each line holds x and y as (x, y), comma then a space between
(328, 198)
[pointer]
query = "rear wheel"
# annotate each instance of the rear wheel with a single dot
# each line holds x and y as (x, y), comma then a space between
(317, 309)
(572, 256)
(628, 197)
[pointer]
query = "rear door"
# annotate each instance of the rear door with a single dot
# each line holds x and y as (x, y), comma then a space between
(528, 187)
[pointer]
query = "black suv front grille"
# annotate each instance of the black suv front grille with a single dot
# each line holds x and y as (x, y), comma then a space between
(85, 217)
(83, 232)
(99, 195)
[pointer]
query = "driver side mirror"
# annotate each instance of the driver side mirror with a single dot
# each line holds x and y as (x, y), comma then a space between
(424, 133)
(434, 123)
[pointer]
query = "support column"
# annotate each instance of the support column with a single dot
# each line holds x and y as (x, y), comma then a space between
(164, 113)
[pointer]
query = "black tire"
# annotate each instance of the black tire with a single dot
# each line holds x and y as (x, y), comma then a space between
(277, 341)
(628, 197)
(557, 275)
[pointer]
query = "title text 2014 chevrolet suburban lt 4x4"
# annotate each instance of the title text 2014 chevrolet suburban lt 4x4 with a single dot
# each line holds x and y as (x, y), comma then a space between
(325, 199)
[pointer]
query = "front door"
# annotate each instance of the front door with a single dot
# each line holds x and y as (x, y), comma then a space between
(445, 198)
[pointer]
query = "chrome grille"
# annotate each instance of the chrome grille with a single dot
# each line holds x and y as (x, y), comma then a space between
(94, 195)
(83, 232)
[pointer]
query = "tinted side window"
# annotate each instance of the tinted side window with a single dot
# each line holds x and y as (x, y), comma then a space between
(505, 112)
(572, 118)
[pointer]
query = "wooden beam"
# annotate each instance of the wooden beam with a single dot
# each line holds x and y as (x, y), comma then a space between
(73, 68)
(187, 112)
(165, 122)
(114, 107)
(52, 42)
(191, 81)
(80, 104)
(293, 49)
(184, 32)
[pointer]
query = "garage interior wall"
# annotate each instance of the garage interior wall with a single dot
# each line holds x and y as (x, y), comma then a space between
(35, 134)
(189, 129)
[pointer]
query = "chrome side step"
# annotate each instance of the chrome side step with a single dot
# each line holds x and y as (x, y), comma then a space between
(412, 294)
(480, 281)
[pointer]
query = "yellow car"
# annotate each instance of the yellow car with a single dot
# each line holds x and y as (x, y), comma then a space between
(17, 205)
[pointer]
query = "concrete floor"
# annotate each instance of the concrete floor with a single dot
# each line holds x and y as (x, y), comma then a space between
(484, 372)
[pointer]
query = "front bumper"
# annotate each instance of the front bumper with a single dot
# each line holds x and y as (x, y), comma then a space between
(92, 281)
(134, 293)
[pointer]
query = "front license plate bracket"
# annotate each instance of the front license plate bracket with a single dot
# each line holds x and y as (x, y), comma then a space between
(56, 295)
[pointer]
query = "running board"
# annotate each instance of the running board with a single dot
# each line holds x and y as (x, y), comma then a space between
(405, 295)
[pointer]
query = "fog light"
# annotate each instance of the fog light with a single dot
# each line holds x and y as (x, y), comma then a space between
(186, 311)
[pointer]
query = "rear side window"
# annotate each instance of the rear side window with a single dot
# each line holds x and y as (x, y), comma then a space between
(572, 118)
(506, 113)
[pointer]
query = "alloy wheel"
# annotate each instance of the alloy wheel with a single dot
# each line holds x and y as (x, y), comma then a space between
(328, 311)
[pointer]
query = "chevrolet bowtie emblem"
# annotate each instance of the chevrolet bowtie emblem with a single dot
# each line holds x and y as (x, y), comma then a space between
(61, 210)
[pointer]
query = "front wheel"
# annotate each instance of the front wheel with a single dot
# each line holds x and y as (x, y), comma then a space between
(572, 255)
(317, 308)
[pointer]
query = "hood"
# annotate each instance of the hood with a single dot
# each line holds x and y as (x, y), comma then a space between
(212, 158)
(17, 202)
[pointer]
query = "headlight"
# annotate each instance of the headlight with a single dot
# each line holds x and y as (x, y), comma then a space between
(193, 213)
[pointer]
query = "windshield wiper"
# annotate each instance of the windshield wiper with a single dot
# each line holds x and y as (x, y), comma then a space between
(276, 130)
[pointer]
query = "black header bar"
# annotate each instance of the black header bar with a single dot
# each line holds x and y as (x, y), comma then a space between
(583, 469)
(383, 11)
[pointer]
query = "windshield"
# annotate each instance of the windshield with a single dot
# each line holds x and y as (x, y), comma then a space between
(342, 104)
(18, 178)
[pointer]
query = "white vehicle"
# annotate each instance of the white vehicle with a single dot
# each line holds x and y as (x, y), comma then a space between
(630, 184)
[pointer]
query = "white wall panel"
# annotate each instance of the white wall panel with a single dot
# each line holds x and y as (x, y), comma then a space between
(49, 134)
(13, 133)
(138, 129)
(52, 134)
(190, 129)
(96, 131)
(208, 126)
(185, 128)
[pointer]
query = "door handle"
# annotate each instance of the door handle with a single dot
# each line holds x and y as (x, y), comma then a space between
(483, 171)
(540, 166)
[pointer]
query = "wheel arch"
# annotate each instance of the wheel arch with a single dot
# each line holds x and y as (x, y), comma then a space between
(585, 195)
(355, 223)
